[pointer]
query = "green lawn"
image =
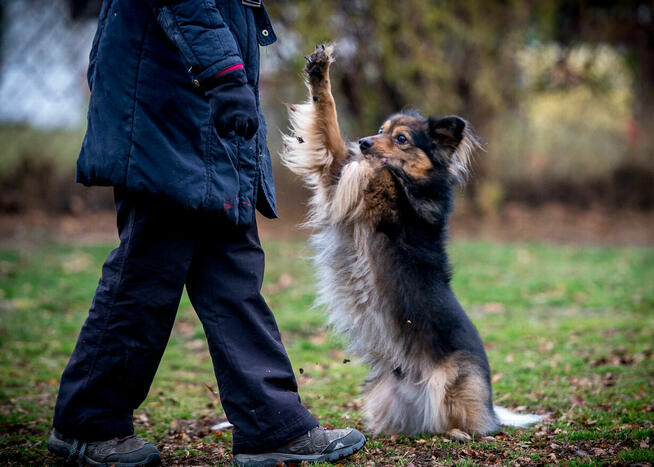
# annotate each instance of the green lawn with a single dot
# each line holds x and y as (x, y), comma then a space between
(569, 332)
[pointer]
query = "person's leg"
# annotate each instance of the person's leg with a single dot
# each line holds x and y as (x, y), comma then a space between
(258, 390)
(130, 320)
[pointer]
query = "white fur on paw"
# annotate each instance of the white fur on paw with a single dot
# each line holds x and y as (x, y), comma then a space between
(457, 434)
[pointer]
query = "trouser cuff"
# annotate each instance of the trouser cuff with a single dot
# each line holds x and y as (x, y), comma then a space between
(97, 431)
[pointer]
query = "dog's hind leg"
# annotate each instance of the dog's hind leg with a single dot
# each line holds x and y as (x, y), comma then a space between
(467, 405)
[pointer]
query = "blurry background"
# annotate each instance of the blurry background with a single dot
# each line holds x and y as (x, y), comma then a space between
(560, 92)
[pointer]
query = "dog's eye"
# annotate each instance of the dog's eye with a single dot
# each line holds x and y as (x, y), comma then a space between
(381, 130)
(401, 139)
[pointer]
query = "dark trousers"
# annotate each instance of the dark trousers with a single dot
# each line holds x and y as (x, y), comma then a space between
(163, 248)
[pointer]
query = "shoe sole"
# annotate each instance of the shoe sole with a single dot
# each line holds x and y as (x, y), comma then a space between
(61, 449)
(272, 459)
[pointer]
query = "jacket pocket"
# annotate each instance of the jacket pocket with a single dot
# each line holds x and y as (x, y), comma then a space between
(232, 144)
(223, 176)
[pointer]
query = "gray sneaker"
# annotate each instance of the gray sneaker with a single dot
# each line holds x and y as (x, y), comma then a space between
(126, 452)
(318, 445)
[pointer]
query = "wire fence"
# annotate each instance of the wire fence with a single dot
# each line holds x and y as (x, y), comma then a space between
(44, 48)
(44, 54)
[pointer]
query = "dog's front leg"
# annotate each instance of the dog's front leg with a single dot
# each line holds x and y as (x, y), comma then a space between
(326, 122)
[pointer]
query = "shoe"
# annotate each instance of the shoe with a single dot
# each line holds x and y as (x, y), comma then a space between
(131, 451)
(318, 445)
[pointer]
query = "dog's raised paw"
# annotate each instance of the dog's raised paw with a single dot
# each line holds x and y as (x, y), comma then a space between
(318, 61)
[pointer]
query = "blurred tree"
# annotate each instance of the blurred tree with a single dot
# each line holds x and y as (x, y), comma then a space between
(439, 56)
(444, 56)
(2, 26)
(626, 24)
(560, 90)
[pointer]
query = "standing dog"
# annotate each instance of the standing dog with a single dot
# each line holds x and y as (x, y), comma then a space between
(380, 209)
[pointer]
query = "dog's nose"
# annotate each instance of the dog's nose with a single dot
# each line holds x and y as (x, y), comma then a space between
(365, 143)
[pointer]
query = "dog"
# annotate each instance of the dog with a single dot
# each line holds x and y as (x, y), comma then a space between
(379, 209)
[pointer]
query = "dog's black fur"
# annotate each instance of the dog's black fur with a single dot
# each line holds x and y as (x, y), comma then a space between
(418, 266)
(381, 210)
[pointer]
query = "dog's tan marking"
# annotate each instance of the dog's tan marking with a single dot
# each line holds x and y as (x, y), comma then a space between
(402, 130)
(406, 121)
(465, 402)
(380, 198)
(407, 157)
(326, 122)
(383, 145)
(417, 164)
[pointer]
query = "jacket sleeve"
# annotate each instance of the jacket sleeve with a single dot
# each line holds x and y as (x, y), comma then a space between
(201, 36)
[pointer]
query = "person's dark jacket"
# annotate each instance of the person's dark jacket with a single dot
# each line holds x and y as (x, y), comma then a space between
(150, 127)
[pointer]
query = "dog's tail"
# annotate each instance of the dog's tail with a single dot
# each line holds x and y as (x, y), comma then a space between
(508, 418)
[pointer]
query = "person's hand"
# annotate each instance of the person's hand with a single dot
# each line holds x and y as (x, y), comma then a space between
(233, 106)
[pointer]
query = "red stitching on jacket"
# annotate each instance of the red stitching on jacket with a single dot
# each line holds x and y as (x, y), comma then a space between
(231, 68)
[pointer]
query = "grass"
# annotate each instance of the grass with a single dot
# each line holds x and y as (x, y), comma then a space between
(19, 144)
(568, 332)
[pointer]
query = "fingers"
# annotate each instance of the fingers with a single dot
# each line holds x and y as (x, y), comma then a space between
(241, 125)
(222, 128)
(249, 129)
(234, 109)
(252, 128)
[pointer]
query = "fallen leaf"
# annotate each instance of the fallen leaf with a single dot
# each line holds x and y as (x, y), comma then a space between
(222, 426)
(142, 418)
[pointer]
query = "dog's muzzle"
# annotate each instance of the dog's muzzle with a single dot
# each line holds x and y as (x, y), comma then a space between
(365, 144)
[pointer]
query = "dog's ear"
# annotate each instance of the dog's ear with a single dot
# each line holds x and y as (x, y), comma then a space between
(455, 141)
(447, 131)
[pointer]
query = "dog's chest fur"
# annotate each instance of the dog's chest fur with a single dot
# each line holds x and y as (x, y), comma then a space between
(348, 261)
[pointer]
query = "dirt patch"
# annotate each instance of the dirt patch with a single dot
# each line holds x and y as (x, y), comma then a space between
(551, 223)
(556, 223)
(194, 442)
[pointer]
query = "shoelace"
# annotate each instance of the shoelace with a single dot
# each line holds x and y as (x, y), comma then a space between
(75, 454)
(120, 440)
(309, 433)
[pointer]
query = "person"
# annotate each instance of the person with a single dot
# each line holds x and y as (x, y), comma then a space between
(176, 127)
